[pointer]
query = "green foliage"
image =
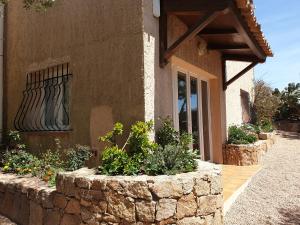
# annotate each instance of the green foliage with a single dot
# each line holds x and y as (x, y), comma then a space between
(38, 5)
(167, 135)
(251, 128)
(138, 141)
(171, 159)
(238, 135)
(265, 104)
(170, 155)
(16, 160)
(20, 162)
(114, 161)
(289, 102)
(266, 126)
(111, 136)
(76, 158)
(15, 141)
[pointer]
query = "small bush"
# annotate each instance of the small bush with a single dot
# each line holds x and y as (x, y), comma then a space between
(266, 126)
(170, 160)
(238, 135)
(20, 162)
(114, 161)
(76, 157)
(170, 155)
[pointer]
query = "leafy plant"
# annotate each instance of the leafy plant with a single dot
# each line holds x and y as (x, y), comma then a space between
(20, 162)
(114, 161)
(167, 135)
(237, 135)
(169, 160)
(265, 104)
(15, 141)
(76, 158)
(266, 126)
(111, 137)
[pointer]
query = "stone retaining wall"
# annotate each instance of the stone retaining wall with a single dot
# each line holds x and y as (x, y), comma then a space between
(82, 198)
(247, 155)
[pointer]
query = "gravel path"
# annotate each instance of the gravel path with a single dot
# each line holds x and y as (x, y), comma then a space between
(273, 196)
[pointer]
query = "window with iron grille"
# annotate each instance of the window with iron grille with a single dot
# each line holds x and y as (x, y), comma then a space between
(46, 101)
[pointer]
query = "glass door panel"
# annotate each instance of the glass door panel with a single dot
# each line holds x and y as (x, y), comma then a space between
(182, 103)
(205, 118)
(195, 112)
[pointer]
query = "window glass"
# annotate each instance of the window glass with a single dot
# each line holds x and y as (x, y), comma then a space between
(195, 112)
(182, 103)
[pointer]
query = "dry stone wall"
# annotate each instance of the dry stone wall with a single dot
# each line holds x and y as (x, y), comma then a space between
(251, 154)
(82, 197)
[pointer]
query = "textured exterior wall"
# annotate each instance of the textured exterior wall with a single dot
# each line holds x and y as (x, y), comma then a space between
(102, 41)
(233, 93)
(210, 63)
(84, 198)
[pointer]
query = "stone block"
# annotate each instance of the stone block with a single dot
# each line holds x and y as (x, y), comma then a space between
(69, 219)
(202, 187)
(73, 207)
(209, 204)
(52, 217)
(60, 201)
(165, 187)
(166, 209)
(145, 211)
(186, 206)
(192, 221)
(36, 214)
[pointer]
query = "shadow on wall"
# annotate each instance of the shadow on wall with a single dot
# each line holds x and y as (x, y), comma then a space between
(290, 216)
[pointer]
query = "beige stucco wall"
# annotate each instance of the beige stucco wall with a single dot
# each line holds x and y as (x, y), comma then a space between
(102, 41)
(211, 63)
(233, 92)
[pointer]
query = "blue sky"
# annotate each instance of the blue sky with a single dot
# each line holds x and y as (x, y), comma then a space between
(280, 20)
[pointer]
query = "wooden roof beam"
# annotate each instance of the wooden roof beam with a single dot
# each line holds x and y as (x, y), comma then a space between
(227, 47)
(167, 52)
(219, 33)
(242, 58)
(173, 6)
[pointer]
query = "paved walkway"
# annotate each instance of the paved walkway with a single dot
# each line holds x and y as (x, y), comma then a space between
(234, 177)
(273, 196)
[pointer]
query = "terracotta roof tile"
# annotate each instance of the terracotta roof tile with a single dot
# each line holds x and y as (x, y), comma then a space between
(247, 10)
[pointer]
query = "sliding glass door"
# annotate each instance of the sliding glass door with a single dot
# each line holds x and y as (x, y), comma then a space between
(191, 100)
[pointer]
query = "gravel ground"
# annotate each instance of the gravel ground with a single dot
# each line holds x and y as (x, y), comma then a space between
(5, 221)
(273, 196)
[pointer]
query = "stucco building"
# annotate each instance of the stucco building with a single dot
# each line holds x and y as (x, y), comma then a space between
(73, 71)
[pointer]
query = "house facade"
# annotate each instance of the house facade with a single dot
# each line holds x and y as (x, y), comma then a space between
(76, 69)
(239, 95)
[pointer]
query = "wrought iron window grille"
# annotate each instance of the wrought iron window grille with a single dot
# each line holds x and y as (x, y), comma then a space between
(45, 104)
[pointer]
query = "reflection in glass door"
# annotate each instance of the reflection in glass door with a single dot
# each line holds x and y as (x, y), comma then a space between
(182, 103)
(195, 112)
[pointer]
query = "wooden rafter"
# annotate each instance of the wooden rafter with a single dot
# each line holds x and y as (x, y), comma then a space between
(191, 32)
(237, 76)
(243, 58)
(227, 47)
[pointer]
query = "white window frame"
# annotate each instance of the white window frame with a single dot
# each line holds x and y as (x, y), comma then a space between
(175, 70)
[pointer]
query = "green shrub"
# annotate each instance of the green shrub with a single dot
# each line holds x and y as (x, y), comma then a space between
(266, 126)
(170, 160)
(170, 155)
(251, 128)
(237, 135)
(114, 161)
(20, 162)
(76, 157)
(15, 141)
(138, 141)
(167, 135)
